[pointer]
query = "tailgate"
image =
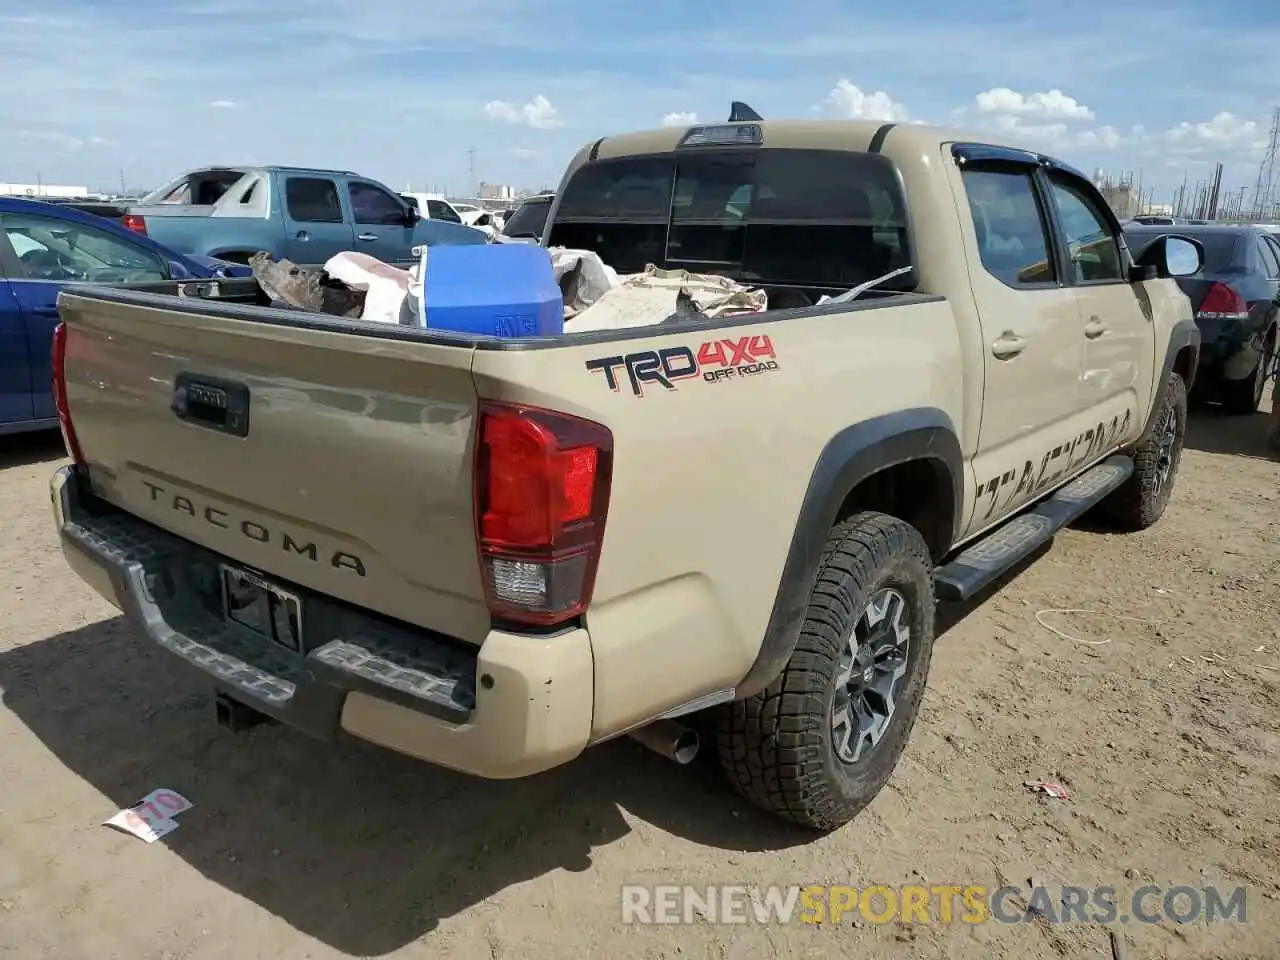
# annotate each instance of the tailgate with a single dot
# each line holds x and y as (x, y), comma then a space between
(348, 471)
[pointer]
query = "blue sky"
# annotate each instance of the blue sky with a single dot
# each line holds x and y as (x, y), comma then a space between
(399, 89)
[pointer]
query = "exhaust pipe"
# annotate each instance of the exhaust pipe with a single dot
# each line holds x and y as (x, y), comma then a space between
(672, 740)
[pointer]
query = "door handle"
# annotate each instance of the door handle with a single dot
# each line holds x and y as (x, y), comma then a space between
(1008, 345)
(367, 237)
(1094, 328)
(302, 235)
(45, 311)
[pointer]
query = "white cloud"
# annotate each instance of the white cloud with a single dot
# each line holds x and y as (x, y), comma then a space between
(680, 119)
(54, 139)
(1059, 136)
(1051, 105)
(1105, 137)
(222, 104)
(524, 153)
(537, 113)
(849, 102)
(1225, 131)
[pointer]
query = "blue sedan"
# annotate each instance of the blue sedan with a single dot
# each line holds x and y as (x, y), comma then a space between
(44, 247)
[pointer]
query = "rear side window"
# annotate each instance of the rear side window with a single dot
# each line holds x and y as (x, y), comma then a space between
(1010, 226)
(1270, 263)
(312, 200)
(528, 220)
(813, 218)
(438, 210)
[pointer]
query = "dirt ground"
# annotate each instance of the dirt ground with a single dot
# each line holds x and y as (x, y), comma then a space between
(1168, 736)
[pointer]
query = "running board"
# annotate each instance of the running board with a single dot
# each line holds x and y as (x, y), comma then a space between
(981, 564)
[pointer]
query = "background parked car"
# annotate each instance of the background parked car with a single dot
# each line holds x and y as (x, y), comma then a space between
(305, 215)
(433, 207)
(529, 219)
(1236, 297)
(43, 247)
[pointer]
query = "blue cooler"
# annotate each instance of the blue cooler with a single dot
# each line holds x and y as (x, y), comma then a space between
(496, 289)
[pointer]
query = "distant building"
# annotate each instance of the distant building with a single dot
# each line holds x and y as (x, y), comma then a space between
(497, 191)
(42, 190)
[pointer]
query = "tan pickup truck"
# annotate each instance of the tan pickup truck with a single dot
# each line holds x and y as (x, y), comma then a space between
(492, 554)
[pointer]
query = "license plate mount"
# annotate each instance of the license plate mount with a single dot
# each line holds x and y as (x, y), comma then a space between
(252, 601)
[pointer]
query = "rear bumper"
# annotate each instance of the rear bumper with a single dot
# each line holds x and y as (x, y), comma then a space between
(515, 706)
(1229, 349)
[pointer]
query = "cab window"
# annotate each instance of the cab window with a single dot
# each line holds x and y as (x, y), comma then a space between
(819, 219)
(1092, 246)
(1013, 239)
(373, 205)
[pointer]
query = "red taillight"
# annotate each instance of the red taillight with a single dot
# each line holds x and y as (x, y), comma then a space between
(541, 496)
(60, 393)
(131, 221)
(1222, 302)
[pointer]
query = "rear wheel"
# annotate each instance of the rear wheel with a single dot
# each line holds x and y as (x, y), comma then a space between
(1245, 396)
(821, 741)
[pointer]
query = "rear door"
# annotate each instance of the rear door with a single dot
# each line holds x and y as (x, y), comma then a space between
(1116, 320)
(1033, 344)
(1269, 306)
(1269, 251)
(15, 362)
(316, 224)
(52, 253)
(381, 225)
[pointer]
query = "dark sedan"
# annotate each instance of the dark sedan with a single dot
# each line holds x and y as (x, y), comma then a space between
(1236, 298)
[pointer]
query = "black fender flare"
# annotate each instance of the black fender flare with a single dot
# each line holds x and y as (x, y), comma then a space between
(851, 456)
(1184, 334)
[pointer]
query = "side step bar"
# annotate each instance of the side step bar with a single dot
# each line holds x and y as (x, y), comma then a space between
(982, 563)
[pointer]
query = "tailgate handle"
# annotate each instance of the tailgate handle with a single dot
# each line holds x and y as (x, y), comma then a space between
(208, 402)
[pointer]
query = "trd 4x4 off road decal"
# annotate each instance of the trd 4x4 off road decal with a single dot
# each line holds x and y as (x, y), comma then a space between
(714, 361)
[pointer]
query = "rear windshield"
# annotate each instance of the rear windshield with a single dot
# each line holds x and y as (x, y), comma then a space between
(528, 220)
(813, 218)
(1219, 247)
(200, 189)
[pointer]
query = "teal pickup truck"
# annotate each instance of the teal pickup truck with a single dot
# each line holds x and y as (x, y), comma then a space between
(300, 214)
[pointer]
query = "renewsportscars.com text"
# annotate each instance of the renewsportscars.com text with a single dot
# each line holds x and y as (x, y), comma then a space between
(938, 903)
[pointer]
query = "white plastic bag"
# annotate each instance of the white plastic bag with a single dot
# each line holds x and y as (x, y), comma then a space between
(385, 286)
(641, 299)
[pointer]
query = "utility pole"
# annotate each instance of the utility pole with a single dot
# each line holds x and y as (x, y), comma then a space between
(1212, 213)
(1265, 183)
(471, 169)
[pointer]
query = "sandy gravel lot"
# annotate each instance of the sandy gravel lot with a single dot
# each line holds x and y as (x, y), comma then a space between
(1169, 738)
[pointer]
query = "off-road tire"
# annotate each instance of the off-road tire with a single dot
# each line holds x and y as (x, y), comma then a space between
(778, 748)
(1142, 499)
(1243, 397)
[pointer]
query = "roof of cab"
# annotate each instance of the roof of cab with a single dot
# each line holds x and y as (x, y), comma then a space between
(855, 135)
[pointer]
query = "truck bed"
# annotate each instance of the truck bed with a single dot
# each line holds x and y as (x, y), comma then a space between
(350, 472)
